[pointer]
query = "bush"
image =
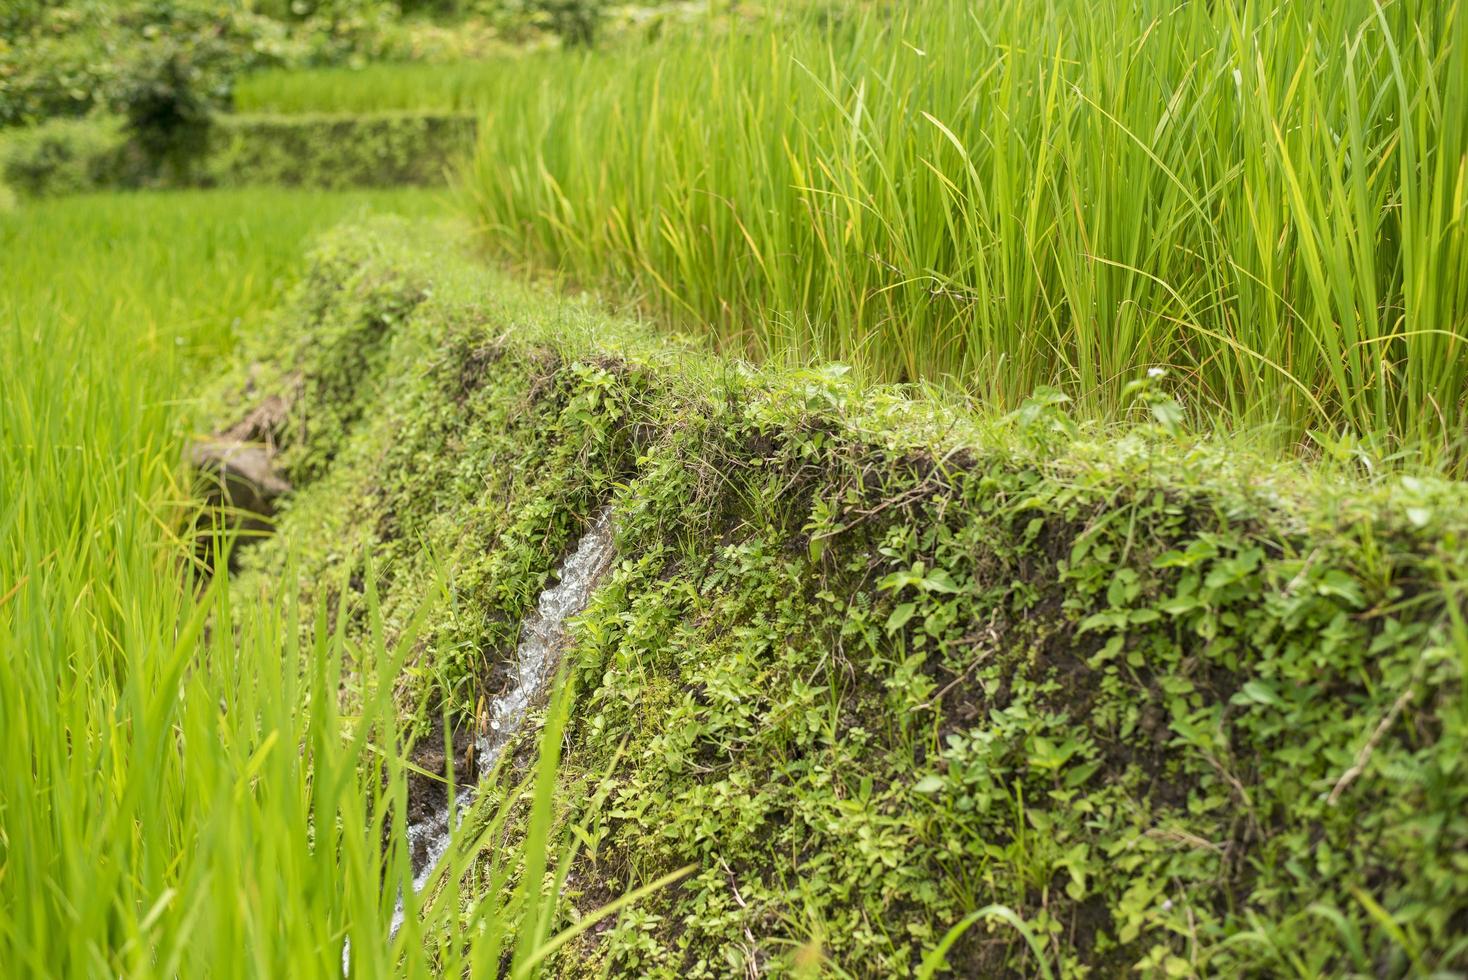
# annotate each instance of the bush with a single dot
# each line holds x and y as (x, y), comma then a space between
(67, 156)
(45, 76)
(383, 150)
(575, 21)
(17, 17)
(166, 104)
(72, 60)
(70, 65)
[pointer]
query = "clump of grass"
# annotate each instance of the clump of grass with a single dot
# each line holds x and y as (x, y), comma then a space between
(463, 86)
(1269, 201)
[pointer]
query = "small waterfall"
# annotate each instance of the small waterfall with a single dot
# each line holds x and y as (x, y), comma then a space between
(542, 638)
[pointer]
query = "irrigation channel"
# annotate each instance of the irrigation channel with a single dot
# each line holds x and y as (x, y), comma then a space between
(542, 638)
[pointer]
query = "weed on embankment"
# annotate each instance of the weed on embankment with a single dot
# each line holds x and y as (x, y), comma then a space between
(910, 689)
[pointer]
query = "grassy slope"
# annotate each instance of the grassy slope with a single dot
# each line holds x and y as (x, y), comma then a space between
(459, 87)
(875, 668)
(172, 802)
(1270, 202)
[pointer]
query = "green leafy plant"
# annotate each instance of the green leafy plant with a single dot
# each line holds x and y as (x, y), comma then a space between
(575, 22)
(877, 668)
(166, 111)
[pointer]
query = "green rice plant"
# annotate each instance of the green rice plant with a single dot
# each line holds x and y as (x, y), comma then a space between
(1266, 201)
(192, 782)
(406, 87)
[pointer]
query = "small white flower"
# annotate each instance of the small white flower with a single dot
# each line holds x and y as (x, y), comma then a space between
(1155, 372)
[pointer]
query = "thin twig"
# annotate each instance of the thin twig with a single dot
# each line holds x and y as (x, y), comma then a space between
(1364, 756)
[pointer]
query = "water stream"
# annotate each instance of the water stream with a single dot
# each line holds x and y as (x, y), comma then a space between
(542, 638)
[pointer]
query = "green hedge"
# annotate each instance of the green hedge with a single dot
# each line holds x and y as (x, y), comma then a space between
(67, 156)
(385, 150)
(878, 668)
(338, 151)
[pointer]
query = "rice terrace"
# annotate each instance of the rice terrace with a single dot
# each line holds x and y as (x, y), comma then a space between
(733, 488)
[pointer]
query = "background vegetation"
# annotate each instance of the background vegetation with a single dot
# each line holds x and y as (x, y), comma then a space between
(239, 150)
(1268, 202)
(80, 56)
(462, 86)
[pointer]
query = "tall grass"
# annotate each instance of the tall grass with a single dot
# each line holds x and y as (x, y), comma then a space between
(1267, 199)
(179, 797)
(463, 86)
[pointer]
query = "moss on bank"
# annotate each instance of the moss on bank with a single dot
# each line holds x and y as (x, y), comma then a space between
(878, 668)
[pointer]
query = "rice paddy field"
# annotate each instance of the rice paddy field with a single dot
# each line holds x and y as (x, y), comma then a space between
(179, 798)
(1020, 447)
(1265, 201)
(458, 86)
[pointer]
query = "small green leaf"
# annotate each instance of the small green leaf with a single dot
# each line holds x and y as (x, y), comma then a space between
(900, 616)
(938, 580)
(1176, 966)
(1337, 583)
(1077, 775)
(1258, 692)
(928, 785)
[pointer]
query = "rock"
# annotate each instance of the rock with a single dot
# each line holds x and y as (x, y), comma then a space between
(245, 479)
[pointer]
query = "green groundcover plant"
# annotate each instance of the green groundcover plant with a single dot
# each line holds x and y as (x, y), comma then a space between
(903, 689)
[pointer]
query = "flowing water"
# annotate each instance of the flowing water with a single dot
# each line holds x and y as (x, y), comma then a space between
(542, 638)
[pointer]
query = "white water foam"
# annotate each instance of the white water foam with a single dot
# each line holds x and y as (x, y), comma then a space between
(542, 637)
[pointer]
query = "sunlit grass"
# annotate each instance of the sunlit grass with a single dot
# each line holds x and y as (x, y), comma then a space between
(1267, 201)
(459, 86)
(177, 797)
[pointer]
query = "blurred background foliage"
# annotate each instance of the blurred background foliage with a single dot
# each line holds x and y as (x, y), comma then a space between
(80, 57)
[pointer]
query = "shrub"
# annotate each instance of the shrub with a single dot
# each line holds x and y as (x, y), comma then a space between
(574, 21)
(19, 16)
(47, 76)
(67, 156)
(385, 150)
(74, 59)
(166, 106)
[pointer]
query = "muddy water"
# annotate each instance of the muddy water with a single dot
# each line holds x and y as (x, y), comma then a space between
(542, 638)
